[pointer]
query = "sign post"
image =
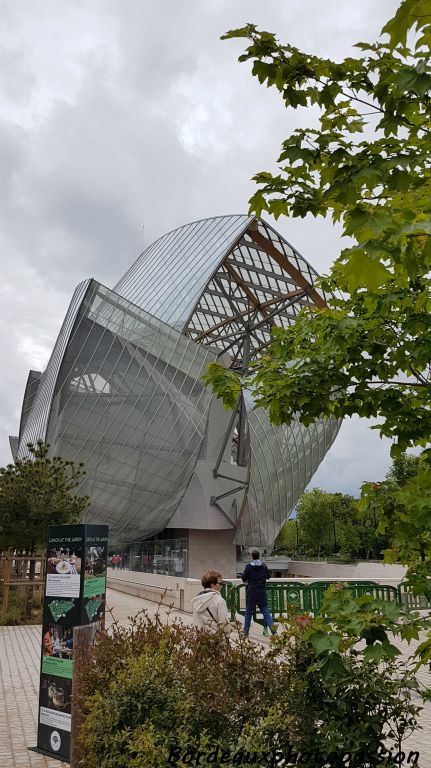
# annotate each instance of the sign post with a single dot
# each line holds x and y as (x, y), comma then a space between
(75, 588)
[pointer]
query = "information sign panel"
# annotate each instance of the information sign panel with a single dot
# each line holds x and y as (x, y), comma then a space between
(75, 588)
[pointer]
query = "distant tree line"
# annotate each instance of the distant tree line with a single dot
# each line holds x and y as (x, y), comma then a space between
(332, 525)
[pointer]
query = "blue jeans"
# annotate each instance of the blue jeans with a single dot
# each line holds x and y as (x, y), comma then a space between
(249, 613)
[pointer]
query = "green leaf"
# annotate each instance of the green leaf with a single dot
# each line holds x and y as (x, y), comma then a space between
(380, 651)
(362, 271)
(411, 13)
(324, 641)
(423, 651)
(226, 384)
(332, 667)
(409, 79)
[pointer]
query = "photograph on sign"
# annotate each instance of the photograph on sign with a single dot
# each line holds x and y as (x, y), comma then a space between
(62, 611)
(56, 696)
(55, 719)
(63, 567)
(57, 650)
(95, 568)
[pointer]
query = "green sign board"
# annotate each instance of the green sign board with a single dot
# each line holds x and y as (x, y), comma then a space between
(75, 586)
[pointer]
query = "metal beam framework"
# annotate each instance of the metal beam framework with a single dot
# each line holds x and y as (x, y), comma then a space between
(285, 264)
(262, 282)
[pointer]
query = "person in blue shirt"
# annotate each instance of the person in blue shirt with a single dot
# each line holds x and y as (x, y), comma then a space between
(255, 576)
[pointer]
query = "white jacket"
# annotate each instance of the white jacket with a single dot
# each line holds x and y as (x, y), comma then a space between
(210, 611)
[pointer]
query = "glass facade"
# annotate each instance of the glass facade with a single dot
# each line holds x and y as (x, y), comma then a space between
(169, 277)
(169, 557)
(36, 422)
(282, 461)
(123, 392)
(32, 386)
(129, 402)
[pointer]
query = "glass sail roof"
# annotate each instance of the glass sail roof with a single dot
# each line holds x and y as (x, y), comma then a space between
(170, 275)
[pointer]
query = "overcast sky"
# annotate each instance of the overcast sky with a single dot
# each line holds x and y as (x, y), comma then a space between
(116, 116)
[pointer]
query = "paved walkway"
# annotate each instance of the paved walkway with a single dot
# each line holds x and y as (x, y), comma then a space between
(19, 686)
(19, 681)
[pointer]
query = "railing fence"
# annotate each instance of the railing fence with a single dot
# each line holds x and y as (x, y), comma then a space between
(24, 572)
(293, 596)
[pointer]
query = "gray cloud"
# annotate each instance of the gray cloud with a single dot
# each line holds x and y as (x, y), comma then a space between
(114, 116)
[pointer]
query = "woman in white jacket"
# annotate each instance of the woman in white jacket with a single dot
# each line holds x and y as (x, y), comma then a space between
(209, 609)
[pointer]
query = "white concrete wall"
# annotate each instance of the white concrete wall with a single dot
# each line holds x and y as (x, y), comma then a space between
(169, 590)
(364, 571)
(195, 509)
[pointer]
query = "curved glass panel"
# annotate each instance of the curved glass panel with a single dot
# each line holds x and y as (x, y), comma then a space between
(129, 403)
(295, 258)
(13, 443)
(282, 461)
(37, 420)
(169, 277)
(31, 388)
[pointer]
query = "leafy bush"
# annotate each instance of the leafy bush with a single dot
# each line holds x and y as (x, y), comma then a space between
(354, 712)
(16, 608)
(154, 691)
(349, 692)
(153, 687)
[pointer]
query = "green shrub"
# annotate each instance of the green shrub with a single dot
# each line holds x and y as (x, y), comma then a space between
(349, 692)
(356, 715)
(16, 608)
(151, 689)
(130, 722)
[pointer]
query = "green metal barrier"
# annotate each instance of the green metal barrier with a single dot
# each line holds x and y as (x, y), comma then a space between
(314, 592)
(281, 599)
(228, 592)
(224, 589)
(285, 597)
(413, 602)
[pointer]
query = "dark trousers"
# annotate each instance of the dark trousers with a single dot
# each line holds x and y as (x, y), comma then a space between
(256, 597)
